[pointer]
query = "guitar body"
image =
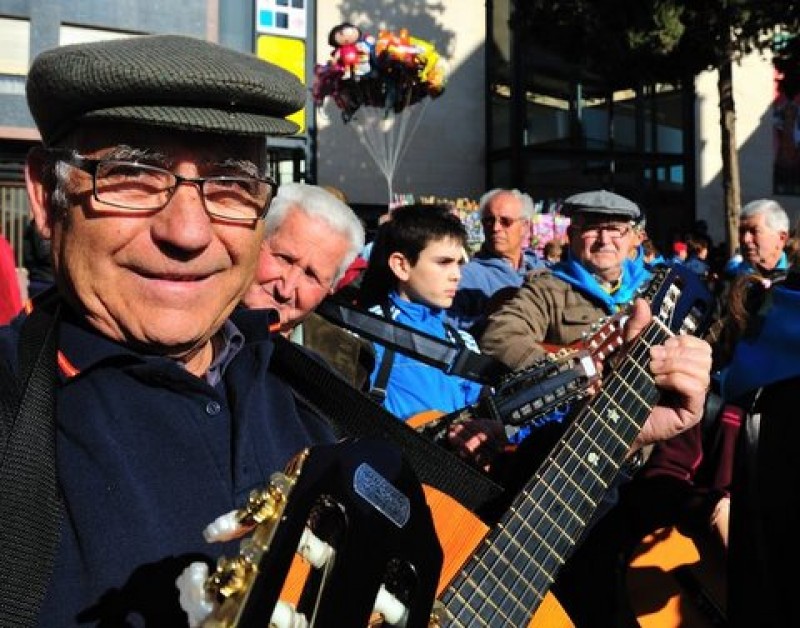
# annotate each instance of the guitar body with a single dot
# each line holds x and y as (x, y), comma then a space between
(460, 534)
(675, 581)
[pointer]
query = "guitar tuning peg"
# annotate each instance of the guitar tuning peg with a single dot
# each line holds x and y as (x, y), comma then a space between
(231, 576)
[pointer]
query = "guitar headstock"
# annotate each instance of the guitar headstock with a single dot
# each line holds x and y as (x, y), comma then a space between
(553, 382)
(679, 299)
(342, 535)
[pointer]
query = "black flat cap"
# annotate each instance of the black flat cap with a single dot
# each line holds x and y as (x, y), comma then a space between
(169, 81)
(601, 202)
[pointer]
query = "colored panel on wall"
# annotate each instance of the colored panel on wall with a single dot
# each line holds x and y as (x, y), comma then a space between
(281, 17)
(289, 54)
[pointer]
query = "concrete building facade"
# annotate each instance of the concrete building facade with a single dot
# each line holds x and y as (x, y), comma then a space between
(451, 152)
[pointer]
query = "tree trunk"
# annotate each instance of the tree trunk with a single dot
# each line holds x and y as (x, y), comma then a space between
(731, 185)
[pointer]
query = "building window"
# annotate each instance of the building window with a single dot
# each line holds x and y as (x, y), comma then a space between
(14, 46)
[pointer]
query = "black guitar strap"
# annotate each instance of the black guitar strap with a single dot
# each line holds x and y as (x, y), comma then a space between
(30, 506)
(453, 358)
(378, 390)
(353, 413)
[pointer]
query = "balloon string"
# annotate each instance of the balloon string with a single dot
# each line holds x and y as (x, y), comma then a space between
(386, 135)
(403, 146)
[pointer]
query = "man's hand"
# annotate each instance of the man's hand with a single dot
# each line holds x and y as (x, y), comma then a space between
(478, 441)
(681, 365)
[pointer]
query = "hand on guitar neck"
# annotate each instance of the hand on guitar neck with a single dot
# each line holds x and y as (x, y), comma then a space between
(479, 441)
(681, 367)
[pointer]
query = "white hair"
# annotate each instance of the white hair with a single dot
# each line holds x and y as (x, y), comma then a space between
(528, 210)
(775, 216)
(317, 202)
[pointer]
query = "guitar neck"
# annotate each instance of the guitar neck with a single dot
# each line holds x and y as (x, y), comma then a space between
(507, 578)
(523, 397)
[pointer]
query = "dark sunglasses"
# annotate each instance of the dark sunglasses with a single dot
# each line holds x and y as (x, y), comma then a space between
(505, 221)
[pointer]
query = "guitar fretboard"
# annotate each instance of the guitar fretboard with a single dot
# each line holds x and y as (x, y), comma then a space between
(506, 579)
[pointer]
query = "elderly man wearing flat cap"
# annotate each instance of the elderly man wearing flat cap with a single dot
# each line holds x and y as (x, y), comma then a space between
(556, 307)
(151, 186)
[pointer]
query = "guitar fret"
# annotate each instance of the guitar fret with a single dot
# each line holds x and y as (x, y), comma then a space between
(611, 433)
(591, 460)
(466, 611)
(554, 499)
(513, 575)
(547, 546)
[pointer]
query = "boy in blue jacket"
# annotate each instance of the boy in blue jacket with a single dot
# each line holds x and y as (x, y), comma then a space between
(412, 278)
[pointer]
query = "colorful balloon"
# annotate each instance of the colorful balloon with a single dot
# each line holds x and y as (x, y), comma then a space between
(391, 71)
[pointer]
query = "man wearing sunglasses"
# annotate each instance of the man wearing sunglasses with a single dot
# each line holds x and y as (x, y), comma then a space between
(151, 185)
(502, 262)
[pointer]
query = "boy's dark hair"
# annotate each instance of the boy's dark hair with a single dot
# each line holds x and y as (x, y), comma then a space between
(410, 229)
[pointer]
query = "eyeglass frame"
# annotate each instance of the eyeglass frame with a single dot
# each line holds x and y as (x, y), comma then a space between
(90, 165)
(506, 222)
(585, 231)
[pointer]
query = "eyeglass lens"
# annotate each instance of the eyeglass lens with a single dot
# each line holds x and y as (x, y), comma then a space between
(140, 186)
(505, 221)
(614, 231)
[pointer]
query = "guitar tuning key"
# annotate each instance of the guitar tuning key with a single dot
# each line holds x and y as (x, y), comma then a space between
(231, 576)
(264, 504)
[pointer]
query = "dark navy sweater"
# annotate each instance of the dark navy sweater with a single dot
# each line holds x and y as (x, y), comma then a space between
(148, 455)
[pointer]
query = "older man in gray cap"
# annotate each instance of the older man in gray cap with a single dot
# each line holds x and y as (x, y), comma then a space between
(159, 411)
(557, 306)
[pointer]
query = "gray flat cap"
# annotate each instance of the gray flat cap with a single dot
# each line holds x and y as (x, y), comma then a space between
(601, 202)
(169, 81)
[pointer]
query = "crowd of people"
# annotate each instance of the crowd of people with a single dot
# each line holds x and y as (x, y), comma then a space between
(141, 399)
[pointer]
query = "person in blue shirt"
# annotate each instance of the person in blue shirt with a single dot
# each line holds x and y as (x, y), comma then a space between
(698, 247)
(412, 277)
(763, 232)
(501, 263)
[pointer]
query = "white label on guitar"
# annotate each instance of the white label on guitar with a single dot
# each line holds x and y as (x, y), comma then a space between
(382, 495)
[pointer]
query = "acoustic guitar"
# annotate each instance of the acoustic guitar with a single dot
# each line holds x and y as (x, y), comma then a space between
(490, 576)
(499, 576)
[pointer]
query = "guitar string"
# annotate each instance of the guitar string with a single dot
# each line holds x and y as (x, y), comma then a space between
(519, 516)
(628, 390)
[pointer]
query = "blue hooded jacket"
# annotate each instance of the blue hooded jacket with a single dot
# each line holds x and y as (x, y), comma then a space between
(413, 386)
(481, 277)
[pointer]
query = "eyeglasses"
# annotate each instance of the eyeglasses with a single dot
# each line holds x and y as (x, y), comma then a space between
(141, 187)
(614, 231)
(505, 221)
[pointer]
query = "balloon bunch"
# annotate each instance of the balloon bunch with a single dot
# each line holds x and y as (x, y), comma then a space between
(390, 71)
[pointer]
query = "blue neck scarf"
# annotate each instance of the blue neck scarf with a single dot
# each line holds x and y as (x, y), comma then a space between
(633, 276)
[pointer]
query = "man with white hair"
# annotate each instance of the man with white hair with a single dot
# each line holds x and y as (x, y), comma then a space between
(763, 232)
(310, 239)
(503, 260)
